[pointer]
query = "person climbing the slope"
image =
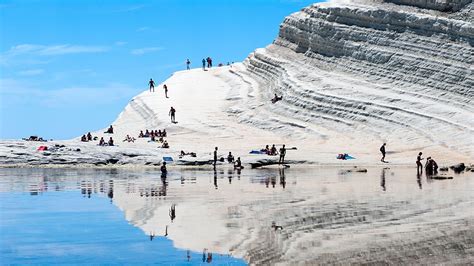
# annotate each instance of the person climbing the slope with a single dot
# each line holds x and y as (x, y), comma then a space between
(152, 85)
(188, 63)
(382, 150)
(172, 113)
(166, 90)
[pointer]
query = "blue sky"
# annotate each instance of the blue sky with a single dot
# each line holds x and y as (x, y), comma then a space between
(68, 67)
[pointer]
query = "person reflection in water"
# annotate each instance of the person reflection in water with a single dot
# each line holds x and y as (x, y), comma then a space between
(204, 255)
(173, 212)
(418, 180)
(382, 179)
(215, 178)
(209, 257)
(188, 255)
(282, 178)
(152, 235)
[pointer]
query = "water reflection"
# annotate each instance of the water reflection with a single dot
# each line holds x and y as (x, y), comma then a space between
(218, 208)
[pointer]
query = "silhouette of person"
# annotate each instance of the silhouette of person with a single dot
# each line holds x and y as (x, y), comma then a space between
(172, 212)
(203, 64)
(166, 90)
(419, 166)
(163, 169)
(382, 179)
(282, 154)
(215, 178)
(152, 85)
(172, 114)
(282, 177)
(166, 231)
(188, 63)
(215, 157)
(382, 150)
(418, 180)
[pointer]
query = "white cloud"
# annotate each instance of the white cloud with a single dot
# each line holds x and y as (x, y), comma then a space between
(145, 50)
(31, 72)
(45, 50)
(21, 93)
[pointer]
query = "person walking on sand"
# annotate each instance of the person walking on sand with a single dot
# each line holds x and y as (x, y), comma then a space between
(188, 63)
(282, 154)
(203, 64)
(419, 166)
(215, 157)
(382, 150)
(152, 85)
(166, 90)
(172, 113)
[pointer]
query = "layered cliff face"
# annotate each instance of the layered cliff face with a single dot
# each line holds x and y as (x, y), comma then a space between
(376, 71)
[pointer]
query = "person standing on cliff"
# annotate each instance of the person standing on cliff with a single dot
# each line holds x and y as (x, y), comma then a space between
(166, 90)
(188, 63)
(172, 113)
(382, 150)
(152, 85)
(203, 64)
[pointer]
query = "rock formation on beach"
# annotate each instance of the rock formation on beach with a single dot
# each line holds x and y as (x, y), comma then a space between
(352, 75)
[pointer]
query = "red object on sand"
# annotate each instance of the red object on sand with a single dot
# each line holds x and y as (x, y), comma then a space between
(42, 148)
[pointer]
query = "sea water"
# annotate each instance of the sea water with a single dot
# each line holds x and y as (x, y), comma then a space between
(122, 216)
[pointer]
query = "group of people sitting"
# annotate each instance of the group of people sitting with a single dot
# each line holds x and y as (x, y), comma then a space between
(152, 134)
(183, 153)
(431, 167)
(34, 138)
(237, 163)
(270, 151)
(86, 138)
(103, 143)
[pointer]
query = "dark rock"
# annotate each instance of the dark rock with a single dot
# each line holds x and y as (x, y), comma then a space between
(458, 167)
(112, 161)
(445, 168)
(441, 177)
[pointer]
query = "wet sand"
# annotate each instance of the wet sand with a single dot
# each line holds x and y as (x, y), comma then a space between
(384, 216)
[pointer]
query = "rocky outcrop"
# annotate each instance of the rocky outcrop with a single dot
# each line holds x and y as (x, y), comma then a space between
(442, 5)
(387, 71)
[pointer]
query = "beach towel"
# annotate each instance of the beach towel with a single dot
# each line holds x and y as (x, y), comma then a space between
(257, 152)
(344, 156)
(167, 159)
